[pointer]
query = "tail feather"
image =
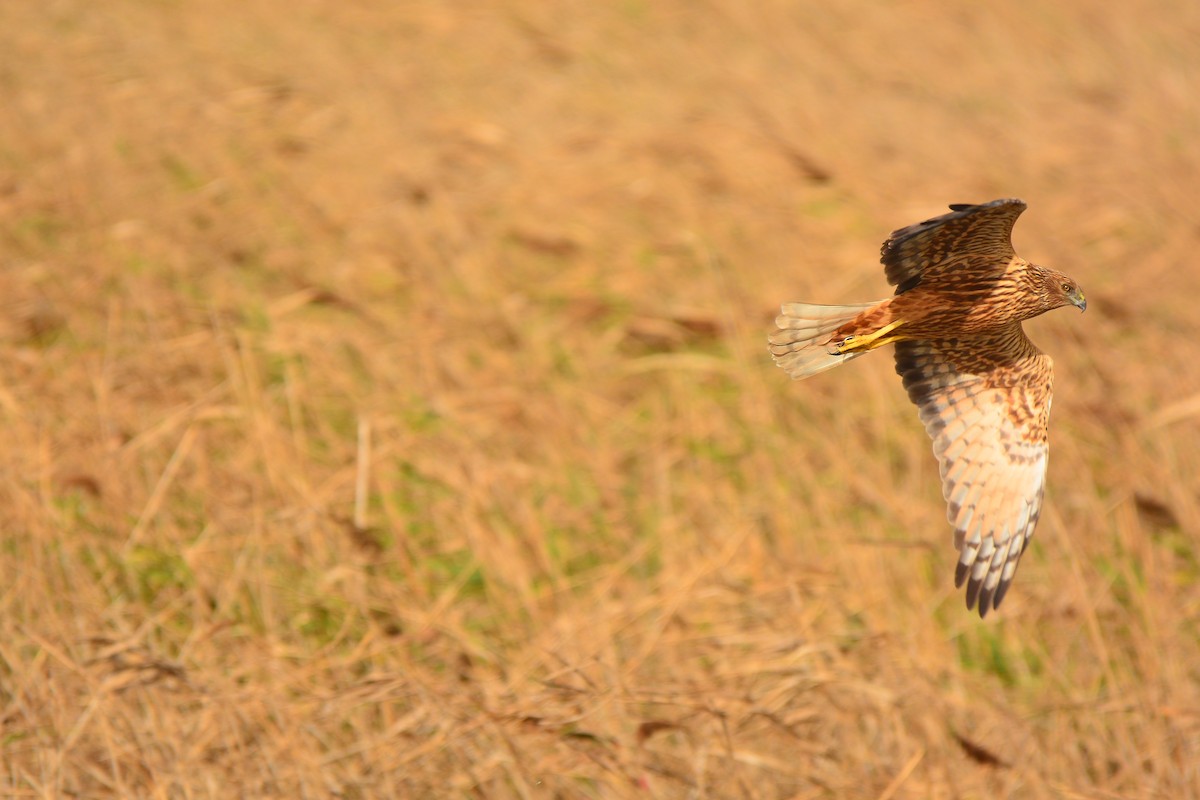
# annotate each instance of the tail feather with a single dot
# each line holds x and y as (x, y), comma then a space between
(804, 328)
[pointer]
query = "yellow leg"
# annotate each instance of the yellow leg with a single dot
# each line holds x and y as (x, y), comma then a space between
(867, 341)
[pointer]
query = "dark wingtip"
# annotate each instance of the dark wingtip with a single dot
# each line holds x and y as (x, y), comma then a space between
(973, 587)
(960, 575)
(985, 600)
(1003, 201)
(1001, 590)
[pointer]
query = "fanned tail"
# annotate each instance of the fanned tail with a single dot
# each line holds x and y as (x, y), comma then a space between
(799, 346)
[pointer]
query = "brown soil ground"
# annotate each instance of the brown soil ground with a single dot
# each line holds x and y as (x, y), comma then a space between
(387, 410)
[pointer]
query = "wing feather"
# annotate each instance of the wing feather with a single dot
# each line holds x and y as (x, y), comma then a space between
(986, 406)
(971, 237)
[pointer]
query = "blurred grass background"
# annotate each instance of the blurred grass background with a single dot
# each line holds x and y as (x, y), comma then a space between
(504, 273)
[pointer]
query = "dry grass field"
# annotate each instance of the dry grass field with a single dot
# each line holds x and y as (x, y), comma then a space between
(387, 409)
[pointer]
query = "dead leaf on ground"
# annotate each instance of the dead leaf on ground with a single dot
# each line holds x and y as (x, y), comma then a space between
(651, 727)
(1154, 512)
(978, 753)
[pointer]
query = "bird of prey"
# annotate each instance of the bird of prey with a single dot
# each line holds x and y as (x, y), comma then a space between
(981, 387)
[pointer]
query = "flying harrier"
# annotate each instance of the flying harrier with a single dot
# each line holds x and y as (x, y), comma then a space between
(981, 387)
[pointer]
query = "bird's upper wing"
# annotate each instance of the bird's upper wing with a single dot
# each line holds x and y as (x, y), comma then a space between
(969, 237)
(986, 405)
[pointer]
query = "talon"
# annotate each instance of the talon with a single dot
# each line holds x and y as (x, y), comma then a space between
(839, 348)
(868, 341)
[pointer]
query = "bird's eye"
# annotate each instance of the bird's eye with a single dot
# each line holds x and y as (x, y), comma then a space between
(1066, 287)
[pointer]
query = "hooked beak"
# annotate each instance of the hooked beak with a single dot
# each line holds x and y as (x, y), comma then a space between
(1077, 299)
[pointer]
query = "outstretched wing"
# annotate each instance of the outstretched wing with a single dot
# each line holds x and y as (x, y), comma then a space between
(975, 238)
(986, 405)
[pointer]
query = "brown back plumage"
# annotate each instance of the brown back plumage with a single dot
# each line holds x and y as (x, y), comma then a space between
(976, 236)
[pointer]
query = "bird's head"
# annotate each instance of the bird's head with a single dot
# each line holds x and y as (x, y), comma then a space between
(1060, 290)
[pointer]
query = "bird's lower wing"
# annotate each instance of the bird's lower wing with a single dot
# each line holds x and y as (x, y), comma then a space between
(986, 405)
